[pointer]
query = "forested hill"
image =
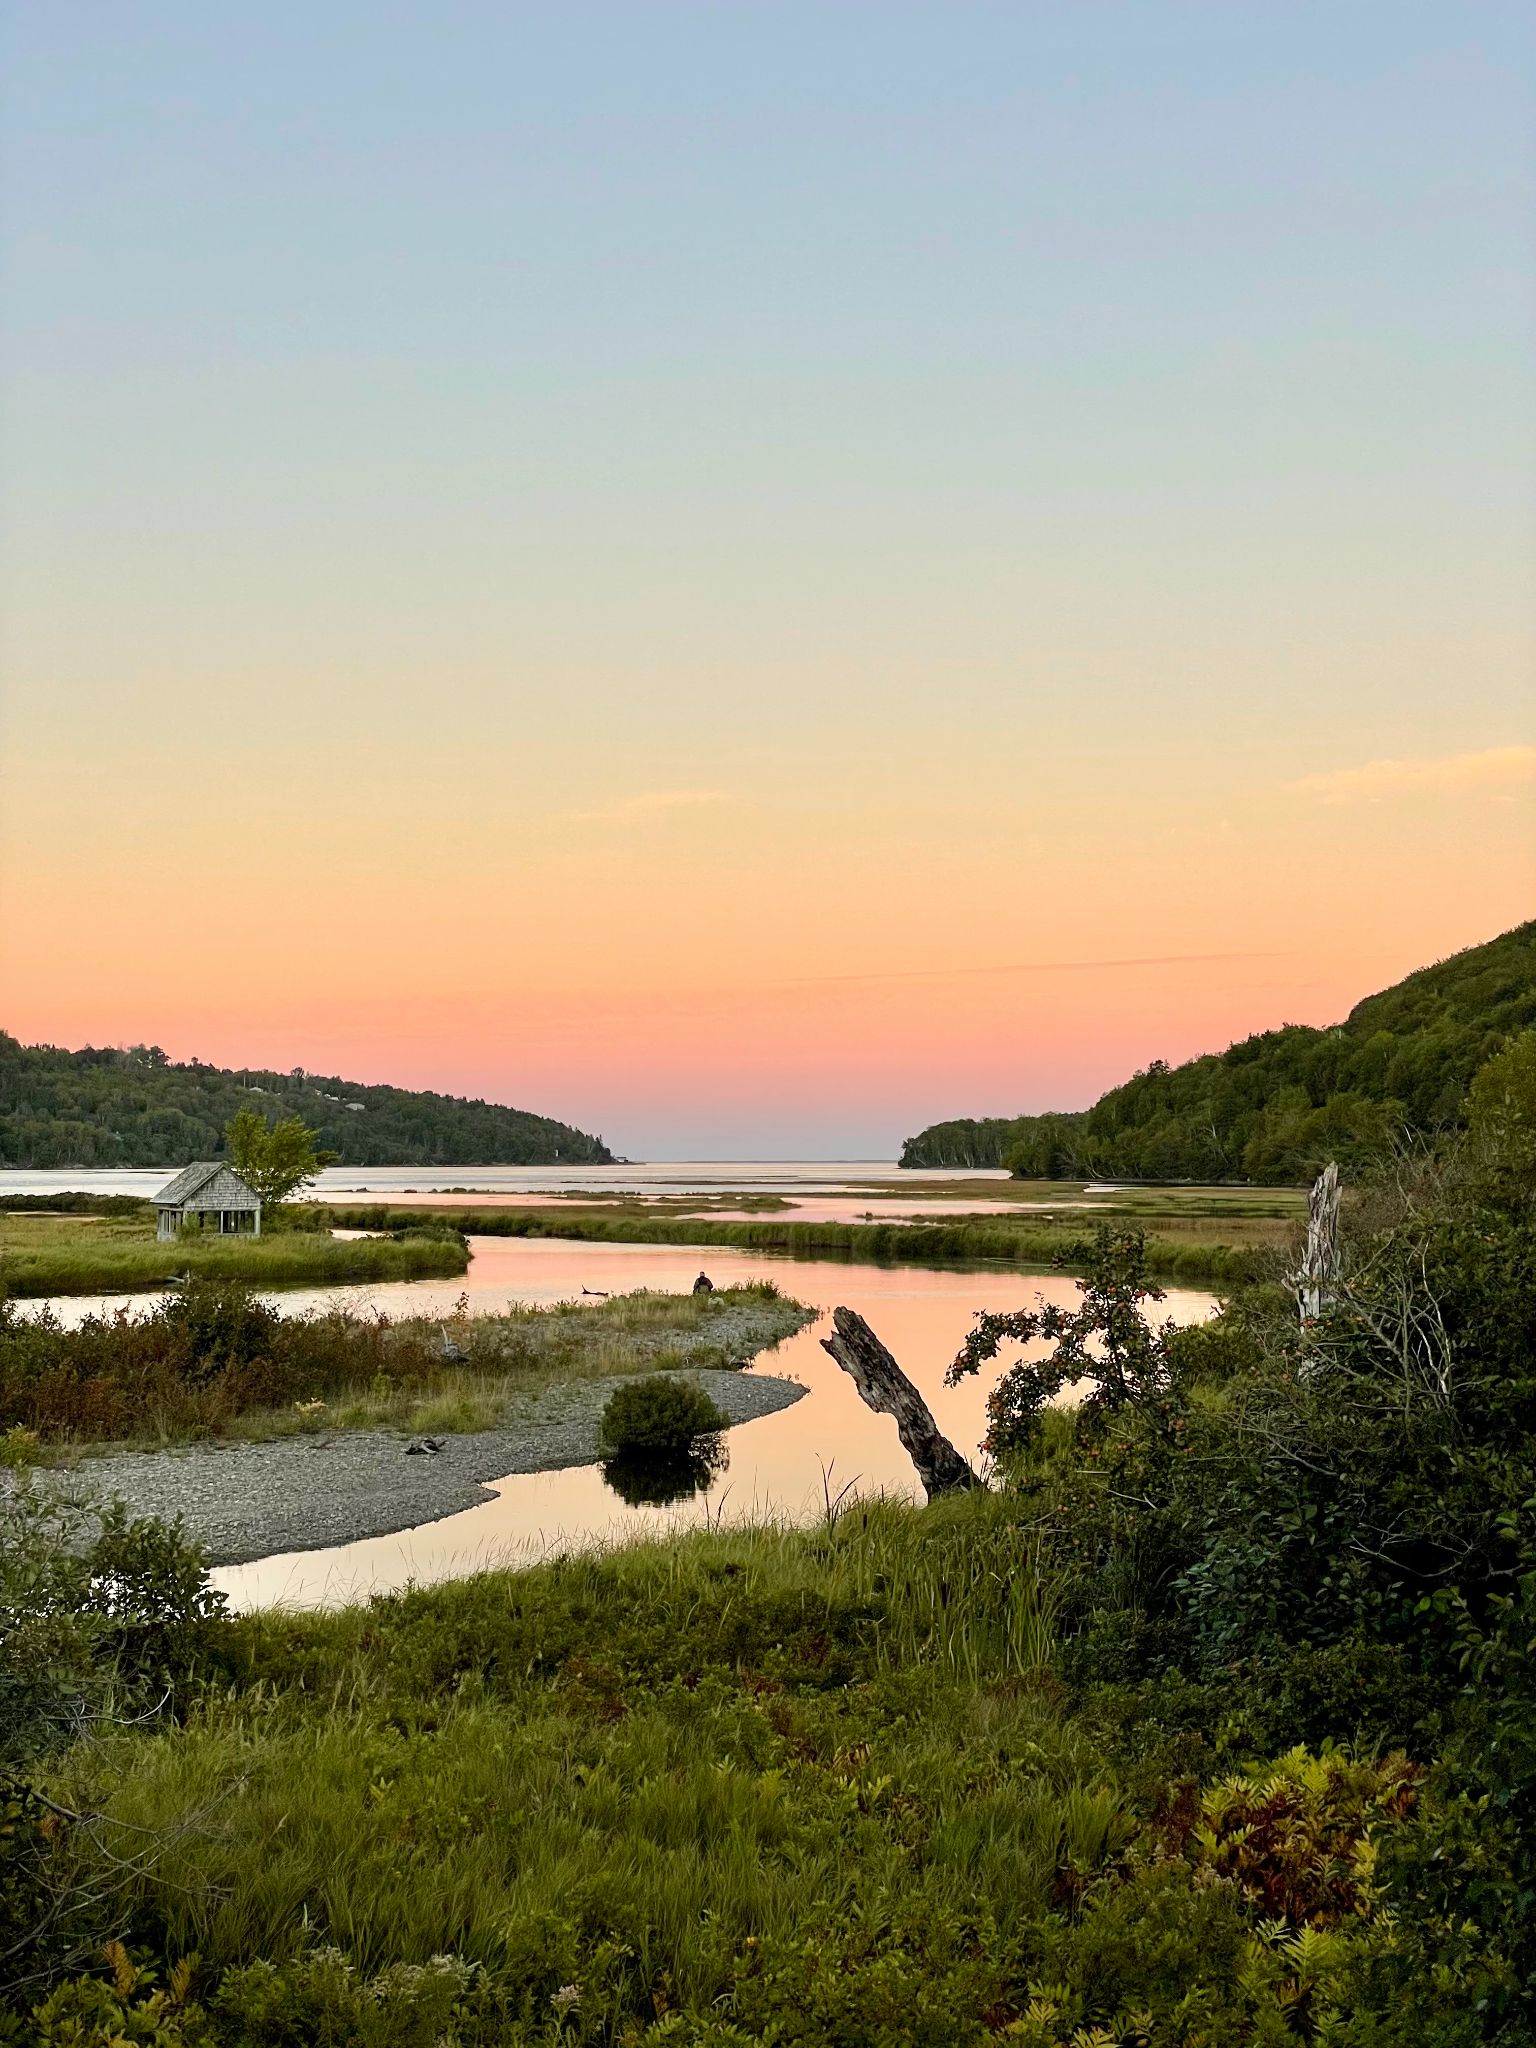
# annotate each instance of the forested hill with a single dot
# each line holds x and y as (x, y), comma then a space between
(107, 1107)
(1275, 1107)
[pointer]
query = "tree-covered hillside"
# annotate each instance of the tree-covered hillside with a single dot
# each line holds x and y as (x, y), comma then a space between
(103, 1106)
(1274, 1107)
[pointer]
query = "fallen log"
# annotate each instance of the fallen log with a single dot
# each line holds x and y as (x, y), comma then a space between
(884, 1387)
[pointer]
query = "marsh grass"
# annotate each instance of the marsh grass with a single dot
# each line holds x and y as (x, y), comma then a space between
(630, 1772)
(1213, 1251)
(47, 1255)
(202, 1367)
(1120, 1198)
(513, 1357)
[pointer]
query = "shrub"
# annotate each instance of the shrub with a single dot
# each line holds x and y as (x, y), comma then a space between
(20, 1447)
(92, 1626)
(219, 1323)
(125, 1609)
(659, 1416)
(1107, 1344)
(89, 2013)
(207, 1354)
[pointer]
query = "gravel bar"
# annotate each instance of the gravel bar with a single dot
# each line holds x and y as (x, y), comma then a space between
(244, 1501)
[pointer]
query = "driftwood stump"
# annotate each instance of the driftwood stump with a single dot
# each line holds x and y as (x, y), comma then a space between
(1316, 1281)
(884, 1387)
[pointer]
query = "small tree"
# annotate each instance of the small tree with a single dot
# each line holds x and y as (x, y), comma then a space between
(1107, 1343)
(274, 1160)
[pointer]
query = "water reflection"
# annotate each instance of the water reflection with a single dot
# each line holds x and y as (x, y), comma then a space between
(779, 1463)
(644, 1479)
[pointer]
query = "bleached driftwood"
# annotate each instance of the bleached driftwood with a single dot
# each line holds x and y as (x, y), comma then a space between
(884, 1387)
(1316, 1281)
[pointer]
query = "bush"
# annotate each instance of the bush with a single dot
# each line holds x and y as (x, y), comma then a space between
(211, 1352)
(660, 1417)
(130, 2012)
(94, 1626)
(1109, 1345)
(124, 1610)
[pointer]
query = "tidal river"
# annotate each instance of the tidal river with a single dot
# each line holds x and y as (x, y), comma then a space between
(784, 1464)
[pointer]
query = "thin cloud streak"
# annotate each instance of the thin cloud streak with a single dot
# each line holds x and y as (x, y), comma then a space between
(1035, 967)
(720, 992)
(650, 803)
(1493, 768)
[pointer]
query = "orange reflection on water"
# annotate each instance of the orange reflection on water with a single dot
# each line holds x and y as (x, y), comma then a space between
(779, 1464)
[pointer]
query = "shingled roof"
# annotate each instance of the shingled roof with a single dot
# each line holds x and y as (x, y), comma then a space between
(192, 1179)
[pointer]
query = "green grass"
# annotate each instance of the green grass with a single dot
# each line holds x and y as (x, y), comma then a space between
(522, 1352)
(58, 1255)
(1175, 1251)
(621, 1769)
(339, 1371)
(800, 1786)
(514, 1356)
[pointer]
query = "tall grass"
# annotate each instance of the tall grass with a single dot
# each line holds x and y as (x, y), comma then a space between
(214, 1361)
(124, 1266)
(630, 1773)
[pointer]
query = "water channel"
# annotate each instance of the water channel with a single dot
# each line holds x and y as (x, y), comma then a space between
(780, 1465)
(783, 1465)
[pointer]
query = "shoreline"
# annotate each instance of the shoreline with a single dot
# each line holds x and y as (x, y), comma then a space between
(248, 1501)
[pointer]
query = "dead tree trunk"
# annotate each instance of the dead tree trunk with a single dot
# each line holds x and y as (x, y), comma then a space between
(884, 1387)
(1315, 1283)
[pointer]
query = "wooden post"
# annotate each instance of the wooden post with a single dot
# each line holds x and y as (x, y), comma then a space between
(884, 1387)
(1314, 1284)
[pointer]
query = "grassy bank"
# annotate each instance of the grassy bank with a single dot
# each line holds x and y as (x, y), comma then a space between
(212, 1362)
(760, 1786)
(1177, 1250)
(53, 1254)
(654, 1777)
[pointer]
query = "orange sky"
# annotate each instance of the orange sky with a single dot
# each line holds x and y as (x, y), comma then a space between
(698, 969)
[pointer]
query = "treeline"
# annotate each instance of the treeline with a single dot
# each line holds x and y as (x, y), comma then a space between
(104, 1106)
(1277, 1106)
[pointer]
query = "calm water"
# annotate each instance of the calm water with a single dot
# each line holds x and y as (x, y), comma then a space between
(666, 1177)
(817, 1191)
(778, 1465)
(781, 1465)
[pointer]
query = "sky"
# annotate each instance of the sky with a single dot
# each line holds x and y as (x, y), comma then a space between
(751, 576)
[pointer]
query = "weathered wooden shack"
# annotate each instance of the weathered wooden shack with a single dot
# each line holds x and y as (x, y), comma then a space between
(208, 1195)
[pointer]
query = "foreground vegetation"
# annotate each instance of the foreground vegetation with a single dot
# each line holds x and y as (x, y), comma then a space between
(73, 1253)
(103, 1106)
(215, 1362)
(1276, 1106)
(1215, 1724)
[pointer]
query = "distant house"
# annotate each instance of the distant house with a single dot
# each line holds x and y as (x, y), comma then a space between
(211, 1196)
